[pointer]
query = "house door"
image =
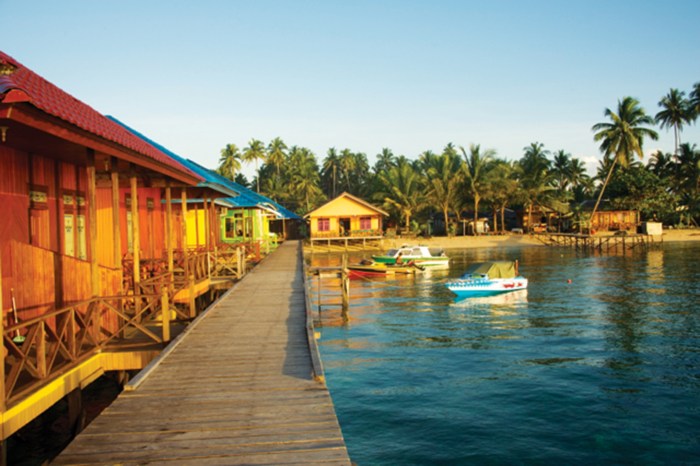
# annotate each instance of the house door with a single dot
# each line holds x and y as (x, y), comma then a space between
(344, 226)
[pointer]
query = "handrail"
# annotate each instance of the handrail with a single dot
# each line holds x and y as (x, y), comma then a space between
(39, 349)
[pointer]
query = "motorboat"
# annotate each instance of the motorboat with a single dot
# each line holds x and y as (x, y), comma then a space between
(488, 279)
(419, 255)
(368, 269)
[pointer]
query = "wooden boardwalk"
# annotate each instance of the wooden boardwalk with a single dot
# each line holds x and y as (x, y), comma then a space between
(237, 388)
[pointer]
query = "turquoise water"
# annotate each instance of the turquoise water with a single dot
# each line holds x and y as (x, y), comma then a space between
(605, 369)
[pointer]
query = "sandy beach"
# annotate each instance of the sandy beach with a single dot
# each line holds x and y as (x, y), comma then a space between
(508, 240)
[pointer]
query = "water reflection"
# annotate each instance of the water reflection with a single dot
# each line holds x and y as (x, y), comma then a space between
(607, 343)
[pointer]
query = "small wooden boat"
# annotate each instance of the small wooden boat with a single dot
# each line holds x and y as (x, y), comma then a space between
(420, 255)
(376, 269)
(488, 279)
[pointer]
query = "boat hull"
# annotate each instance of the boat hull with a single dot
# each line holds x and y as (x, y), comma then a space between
(486, 287)
(379, 270)
(422, 261)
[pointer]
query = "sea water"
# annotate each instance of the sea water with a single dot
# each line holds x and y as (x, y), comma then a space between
(598, 362)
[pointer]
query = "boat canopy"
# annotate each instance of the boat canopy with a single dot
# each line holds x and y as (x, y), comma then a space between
(496, 269)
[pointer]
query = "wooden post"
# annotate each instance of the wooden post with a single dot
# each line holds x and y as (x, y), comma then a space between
(76, 413)
(135, 234)
(3, 404)
(239, 263)
(92, 219)
(116, 228)
(183, 208)
(165, 313)
(345, 287)
(190, 287)
(41, 350)
(169, 226)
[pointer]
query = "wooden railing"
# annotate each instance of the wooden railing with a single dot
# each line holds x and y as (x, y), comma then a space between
(39, 349)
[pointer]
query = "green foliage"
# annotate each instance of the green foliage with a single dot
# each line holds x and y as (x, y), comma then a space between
(413, 190)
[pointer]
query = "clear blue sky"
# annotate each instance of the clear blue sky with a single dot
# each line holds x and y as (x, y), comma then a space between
(407, 75)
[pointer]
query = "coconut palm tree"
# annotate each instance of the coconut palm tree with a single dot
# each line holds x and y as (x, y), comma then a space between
(304, 178)
(500, 189)
(347, 165)
(443, 177)
(622, 137)
(676, 112)
(476, 165)
(331, 166)
(254, 152)
(385, 160)
(694, 101)
(533, 171)
(401, 190)
(229, 162)
(277, 154)
(561, 171)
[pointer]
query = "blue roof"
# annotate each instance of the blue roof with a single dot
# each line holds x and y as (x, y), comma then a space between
(240, 195)
(209, 181)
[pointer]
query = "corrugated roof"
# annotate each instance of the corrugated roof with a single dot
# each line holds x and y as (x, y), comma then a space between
(241, 196)
(209, 179)
(20, 84)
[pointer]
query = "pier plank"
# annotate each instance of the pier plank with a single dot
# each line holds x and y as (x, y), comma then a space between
(238, 388)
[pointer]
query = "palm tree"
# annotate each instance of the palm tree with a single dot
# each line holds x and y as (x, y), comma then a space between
(622, 137)
(500, 188)
(694, 101)
(662, 165)
(676, 112)
(535, 176)
(385, 160)
(276, 154)
(402, 190)
(304, 178)
(443, 178)
(561, 171)
(689, 179)
(475, 168)
(229, 162)
(254, 152)
(347, 165)
(331, 165)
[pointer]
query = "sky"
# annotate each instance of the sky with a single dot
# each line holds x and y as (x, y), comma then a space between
(406, 75)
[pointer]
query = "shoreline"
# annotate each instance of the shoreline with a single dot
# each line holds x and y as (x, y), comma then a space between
(516, 240)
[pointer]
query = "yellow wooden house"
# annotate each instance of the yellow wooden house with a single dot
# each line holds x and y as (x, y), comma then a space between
(346, 216)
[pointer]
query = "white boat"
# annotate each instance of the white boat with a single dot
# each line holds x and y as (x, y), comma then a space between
(419, 255)
(488, 279)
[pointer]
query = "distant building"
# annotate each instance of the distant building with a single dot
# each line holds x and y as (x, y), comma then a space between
(346, 216)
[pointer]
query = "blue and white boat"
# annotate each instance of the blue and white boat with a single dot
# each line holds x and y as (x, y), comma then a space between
(488, 279)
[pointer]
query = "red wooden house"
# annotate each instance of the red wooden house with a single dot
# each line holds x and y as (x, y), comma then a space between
(78, 192)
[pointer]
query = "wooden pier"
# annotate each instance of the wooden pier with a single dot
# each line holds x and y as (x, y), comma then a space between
(240, 386)
(602, 243)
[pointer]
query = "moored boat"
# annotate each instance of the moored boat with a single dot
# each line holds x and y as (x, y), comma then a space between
(488, 279)
(420, 255)
(375, 269)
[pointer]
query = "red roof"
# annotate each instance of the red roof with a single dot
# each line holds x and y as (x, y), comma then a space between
(23, 85)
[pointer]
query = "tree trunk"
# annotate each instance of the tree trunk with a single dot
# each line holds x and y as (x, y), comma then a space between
(602, 190)
(476, 212)
(445, 213)
(503, 219)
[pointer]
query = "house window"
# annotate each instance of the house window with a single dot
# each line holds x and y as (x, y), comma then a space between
(230, 232)
(39, 216)
(324, 224)
(365, 223)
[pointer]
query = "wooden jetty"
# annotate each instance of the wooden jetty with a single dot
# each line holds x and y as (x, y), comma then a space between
(602, 243)
(240, 386)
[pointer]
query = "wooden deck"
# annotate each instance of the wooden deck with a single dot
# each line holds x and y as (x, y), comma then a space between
(237, 387)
